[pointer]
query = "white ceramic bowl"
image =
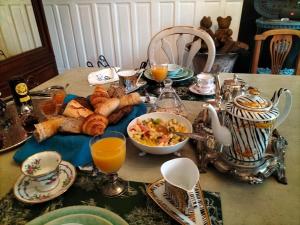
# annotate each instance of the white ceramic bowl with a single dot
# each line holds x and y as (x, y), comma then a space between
(161, 150)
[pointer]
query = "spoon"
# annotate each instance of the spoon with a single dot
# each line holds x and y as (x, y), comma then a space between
(196, 136)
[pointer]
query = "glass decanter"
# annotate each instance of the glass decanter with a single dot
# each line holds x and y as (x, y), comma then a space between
(169, 101)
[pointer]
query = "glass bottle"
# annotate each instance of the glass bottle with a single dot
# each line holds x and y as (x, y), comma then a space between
(20, 93)
(23, 102)
(169, 101)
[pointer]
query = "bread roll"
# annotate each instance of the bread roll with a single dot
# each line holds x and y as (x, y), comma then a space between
(76, 110)
(94, 124)
(130, 99)
(108, 107)
(117, 115)
(116, 91)
(71, 125)
(47, 128)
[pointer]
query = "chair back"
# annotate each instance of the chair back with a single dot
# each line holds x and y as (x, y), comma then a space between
(173, 43)
(280, 46)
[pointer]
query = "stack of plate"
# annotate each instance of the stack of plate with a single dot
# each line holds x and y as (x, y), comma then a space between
(177, 75)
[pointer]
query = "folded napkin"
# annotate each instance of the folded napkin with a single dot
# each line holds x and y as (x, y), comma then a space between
(103, 76)
(74, 147)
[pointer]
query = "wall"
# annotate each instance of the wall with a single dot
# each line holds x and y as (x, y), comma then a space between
(18, 29)
(80, 30)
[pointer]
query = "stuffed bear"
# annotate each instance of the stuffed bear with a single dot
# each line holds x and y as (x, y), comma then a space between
(223, 33)
(205, 24)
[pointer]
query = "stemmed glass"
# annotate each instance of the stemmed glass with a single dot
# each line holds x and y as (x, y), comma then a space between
(159, 73)
(108, 153)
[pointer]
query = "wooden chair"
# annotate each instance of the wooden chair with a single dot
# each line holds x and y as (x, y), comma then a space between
(172, 41)
(280, 46)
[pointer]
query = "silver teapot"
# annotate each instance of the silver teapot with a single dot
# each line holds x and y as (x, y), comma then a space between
(248, 124)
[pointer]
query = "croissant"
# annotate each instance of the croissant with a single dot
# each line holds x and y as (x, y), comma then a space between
(96, 99)
(94, 124)
(100, 91)
(108, 107)
(130, 99)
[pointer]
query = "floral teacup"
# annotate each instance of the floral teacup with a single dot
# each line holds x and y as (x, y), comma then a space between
(43, 168)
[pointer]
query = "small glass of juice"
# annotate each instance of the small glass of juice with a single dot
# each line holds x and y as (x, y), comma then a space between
(108, 152)
(159, 73)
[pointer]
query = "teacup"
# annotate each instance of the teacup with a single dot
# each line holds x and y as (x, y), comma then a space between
(181, 176)
(43, 169)
(128, 79)
(205, 82)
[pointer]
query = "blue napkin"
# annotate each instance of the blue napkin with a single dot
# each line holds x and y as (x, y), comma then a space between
(74, 147)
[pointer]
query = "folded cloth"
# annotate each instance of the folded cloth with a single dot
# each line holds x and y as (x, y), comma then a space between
(103, 76)
(74, 148)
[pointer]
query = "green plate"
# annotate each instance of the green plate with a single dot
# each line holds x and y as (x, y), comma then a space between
(72, 210)
(182, 75)
(79, 219)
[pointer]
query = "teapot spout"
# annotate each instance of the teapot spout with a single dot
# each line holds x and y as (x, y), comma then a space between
(221, 133)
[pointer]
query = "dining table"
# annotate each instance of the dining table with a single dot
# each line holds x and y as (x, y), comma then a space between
(268, 203)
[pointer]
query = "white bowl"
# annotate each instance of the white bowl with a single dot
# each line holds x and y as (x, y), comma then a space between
(161, 150)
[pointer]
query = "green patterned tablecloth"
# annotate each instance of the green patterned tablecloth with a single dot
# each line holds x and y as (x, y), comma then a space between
(134, 206)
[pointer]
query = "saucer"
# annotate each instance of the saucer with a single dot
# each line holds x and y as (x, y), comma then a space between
(141, 83)
(157, 192)
(25, 191)
(196, 91)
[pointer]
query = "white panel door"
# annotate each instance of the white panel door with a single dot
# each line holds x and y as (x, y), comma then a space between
(81, 30)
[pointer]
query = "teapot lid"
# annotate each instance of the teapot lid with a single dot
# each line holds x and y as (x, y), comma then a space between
(252, 101)
(252, 107)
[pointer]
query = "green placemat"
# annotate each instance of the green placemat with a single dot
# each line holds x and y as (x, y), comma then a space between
(134, 206)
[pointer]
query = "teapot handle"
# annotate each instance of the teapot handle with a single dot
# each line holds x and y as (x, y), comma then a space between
(287, 106)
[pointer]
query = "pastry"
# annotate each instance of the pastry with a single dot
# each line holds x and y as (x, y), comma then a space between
(96, 99)
(76, 110)
(115, 91)
(116, 116)
(130, 99)
(84, 102)
(94, 124)
(108, 107)
(71, 125)
(100, 91)
(47, 128)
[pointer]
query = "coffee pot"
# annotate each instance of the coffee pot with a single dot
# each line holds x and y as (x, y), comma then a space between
(248, 124)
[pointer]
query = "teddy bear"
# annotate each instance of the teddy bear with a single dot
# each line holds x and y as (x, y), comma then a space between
(223, 33)
(205, 24)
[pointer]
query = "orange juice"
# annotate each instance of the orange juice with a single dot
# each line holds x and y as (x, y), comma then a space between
(109, 154)
(159, 73)
(59, 96)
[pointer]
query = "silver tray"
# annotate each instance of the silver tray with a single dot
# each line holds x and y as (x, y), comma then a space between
(15, 135)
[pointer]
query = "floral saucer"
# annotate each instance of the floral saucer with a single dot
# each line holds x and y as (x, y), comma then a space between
(25, 190)
(157, 192)
(194, 89)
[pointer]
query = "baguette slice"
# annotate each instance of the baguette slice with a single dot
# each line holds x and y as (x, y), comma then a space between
(47, 128)
(76, 110)
(71, 125)
(108, 107)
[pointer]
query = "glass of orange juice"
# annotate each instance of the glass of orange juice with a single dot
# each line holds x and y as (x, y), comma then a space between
(108, 153)
(159, 73)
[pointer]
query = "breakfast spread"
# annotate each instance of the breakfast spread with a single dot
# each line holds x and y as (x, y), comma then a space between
(107, 107)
